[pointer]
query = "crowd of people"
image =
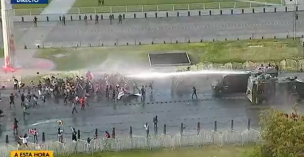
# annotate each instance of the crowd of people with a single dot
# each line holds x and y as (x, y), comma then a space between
(74, 91)
(77, 92)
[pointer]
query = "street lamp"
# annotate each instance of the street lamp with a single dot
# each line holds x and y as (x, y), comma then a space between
(295, 18)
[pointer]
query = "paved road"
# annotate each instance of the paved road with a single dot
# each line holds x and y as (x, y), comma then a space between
(170, 111)
(106, 115)
(161, 29)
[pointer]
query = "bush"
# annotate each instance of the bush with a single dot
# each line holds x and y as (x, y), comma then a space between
(282, 134)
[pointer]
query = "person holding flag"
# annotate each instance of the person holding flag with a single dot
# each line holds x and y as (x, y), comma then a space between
(35, 134)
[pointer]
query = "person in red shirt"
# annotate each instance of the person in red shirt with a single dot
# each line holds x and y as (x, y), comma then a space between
(82, 103)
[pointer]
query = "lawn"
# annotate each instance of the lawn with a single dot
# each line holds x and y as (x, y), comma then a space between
(204, 151)
(215, 52)
(90, 3)
(163, 5)
(1, 53)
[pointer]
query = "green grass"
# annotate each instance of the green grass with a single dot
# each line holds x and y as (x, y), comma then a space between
(118, 6)
(1, 53)
(93, 3)
(215, 52)
(204, 151)
(271, 1)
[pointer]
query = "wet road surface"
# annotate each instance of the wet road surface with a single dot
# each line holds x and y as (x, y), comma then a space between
(171, 111)
(105, 115)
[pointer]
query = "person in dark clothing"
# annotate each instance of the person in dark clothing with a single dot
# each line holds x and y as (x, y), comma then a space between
(63, 20)
(119, 19)
(107, 92)
(143, 93)
(1, 113)
(74, 135)
(194, 92)
(65, 100)
(96, 19)
(110, 18)
(99, 2)
(155, 121)
(60, 135)
(12, 99)
(16, 84)
(35, 21)
(86, 19)
(15, 127)
(113, 95)
(22, 99)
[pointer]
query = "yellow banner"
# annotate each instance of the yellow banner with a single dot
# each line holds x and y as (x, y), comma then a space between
(31, 153)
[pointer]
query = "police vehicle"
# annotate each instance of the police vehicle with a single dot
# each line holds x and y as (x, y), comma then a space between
(265, 85)
(230, 84)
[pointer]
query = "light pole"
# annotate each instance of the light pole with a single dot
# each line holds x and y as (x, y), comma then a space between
(295, 18)
(8, 36)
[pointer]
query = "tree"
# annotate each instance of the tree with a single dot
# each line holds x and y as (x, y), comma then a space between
(282, 134)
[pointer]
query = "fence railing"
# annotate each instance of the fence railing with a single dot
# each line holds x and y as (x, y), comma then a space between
(150, 142)
(159, 129)
(147, 8)
(153, 41)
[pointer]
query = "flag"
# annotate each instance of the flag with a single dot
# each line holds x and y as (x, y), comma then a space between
(32, 131)
(89, 75)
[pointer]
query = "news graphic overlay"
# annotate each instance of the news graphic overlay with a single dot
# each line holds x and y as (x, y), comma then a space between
(32, 153)
(29, 1)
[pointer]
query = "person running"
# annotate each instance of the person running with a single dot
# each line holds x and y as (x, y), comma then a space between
(74, 108)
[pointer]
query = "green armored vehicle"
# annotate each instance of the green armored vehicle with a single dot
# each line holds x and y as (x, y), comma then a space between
(265, 85)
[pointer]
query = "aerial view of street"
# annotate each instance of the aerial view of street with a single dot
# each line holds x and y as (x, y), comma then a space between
(92, 76)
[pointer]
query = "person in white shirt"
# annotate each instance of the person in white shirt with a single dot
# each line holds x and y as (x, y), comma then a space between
(24, 139)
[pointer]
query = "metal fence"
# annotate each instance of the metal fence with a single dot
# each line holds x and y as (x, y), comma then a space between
(150, 142)
(148, 8)
(153, 41)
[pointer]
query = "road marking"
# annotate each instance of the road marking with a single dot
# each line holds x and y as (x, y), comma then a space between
(185, 27)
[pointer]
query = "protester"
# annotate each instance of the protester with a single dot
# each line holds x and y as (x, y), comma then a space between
(24, 139)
